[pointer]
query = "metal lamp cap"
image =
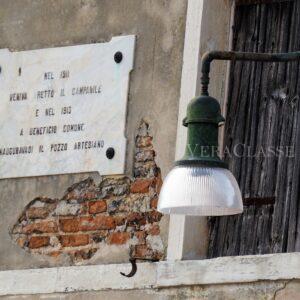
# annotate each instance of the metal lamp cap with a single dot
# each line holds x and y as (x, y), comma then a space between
(204, 109)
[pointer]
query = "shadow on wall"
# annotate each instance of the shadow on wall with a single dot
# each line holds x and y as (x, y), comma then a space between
(119, 211)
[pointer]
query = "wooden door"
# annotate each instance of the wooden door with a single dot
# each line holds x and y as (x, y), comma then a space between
(262, 114)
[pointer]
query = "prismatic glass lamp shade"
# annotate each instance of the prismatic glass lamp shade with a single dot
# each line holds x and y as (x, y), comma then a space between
(200, 183)
(202, 191)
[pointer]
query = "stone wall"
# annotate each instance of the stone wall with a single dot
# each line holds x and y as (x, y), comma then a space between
(118, 212)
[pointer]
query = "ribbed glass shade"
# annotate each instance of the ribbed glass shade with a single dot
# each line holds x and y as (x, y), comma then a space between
(194, 190)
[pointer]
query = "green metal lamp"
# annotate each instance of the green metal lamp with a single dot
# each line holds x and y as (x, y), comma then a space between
(200, 183)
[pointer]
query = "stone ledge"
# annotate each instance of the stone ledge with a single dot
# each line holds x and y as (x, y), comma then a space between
(239, 269)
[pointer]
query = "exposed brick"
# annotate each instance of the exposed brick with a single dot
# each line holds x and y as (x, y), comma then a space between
(96, 207)
(136, 218)
(145, 155)
(154, 216)
(99, 236)
(141, 251)
(74, 240)
(141, 236)
(87, 223)
(83, 254)
(77, 190)
(153, 203)
(141, 186)
(117, 206)
(84, 208)
(145, 170)
(154, 230)
(96, 223)
(68, 208)
(38, 242)
(119, 238)
(114, 180)
(40, 227)
(121, 189)
(69, 225)
(54, 242)
(156, 255)
(115, 186)
(51, 207)
(82, 191)
(22, 241)
(120, 220)
(143, 128)
(71, 195)
(37, 213)
(144, 141)
(89, 195)
(81, 196)
(111, 212)
(55, 254)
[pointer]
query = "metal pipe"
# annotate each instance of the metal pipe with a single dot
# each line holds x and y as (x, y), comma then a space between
(208, 57)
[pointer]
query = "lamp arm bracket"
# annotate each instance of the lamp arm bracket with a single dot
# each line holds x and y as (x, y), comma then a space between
(208, 57)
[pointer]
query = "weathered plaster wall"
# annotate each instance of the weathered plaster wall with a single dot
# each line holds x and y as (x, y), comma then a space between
(99, 222)
(154, 88)
(262, 290)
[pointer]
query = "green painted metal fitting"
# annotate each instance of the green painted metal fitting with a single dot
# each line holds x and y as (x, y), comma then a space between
(203, 109)
(203, 120)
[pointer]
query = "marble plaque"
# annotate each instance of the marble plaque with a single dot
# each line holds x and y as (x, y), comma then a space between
(62, 108)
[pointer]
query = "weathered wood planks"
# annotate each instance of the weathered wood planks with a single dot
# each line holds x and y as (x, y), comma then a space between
(263, 111)
(249, 2)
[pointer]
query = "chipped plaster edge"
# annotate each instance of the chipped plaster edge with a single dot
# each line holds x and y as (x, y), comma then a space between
(223, 270)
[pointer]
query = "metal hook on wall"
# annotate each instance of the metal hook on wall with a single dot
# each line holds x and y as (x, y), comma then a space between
(134, 266)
